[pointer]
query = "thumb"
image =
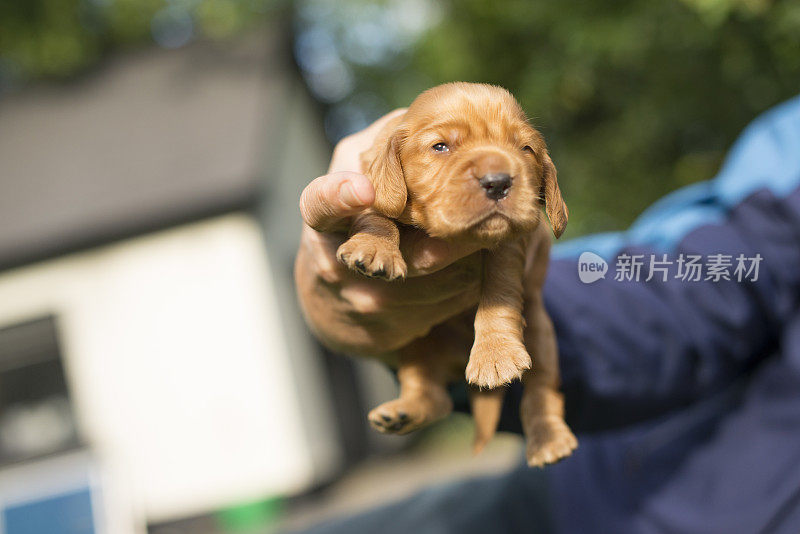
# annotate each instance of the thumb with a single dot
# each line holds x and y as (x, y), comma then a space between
(329, 200)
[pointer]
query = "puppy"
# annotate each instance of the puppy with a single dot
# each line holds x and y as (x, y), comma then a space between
(464, 164)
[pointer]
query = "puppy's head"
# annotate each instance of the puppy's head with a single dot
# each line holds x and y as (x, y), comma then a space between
(464, 163)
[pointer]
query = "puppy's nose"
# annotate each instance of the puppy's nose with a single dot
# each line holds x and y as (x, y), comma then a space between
(496, 185)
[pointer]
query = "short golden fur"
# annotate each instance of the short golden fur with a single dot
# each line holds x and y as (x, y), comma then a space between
(425, 166)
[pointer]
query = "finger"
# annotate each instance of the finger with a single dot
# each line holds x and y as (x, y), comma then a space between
(329, 200)
(320, 254)
(347, 154)
(406, 327)
(456, 305)
(425, 255)
(377, 296)
(373, 129)
(437, 287)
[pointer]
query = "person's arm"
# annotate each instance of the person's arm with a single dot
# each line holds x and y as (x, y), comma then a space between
(632, 350)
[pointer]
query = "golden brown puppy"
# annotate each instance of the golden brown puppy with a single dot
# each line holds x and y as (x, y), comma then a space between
(464, 164)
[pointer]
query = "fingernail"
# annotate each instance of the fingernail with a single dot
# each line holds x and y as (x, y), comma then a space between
(354, 195)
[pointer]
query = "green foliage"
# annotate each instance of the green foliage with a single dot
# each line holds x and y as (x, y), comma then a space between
(635, 97)
(56, 38)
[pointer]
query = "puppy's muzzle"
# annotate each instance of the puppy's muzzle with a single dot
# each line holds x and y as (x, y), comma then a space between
(495, 185)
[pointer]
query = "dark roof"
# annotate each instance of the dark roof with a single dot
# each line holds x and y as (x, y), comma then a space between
(150, 139)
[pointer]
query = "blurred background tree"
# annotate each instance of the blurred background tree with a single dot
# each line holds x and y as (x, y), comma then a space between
(635, 97)
(59, 38)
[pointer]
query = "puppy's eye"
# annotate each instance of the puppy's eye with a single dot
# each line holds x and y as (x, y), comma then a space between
(527, 148)
(440, 147)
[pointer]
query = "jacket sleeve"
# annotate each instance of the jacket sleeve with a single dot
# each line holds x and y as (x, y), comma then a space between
(631, 348)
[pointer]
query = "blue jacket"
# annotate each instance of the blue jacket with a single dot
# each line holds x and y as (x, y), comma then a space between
(686, 395)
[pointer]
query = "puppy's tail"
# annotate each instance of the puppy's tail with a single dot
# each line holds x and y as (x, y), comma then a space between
(486, 407)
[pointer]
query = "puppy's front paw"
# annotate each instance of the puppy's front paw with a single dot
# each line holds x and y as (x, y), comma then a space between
(549, 440)
(404, 415)
(494, 363)
(372, 257)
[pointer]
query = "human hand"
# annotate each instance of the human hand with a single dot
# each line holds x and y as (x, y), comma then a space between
(358, 315)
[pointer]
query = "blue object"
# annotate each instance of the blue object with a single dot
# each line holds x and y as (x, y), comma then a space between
(68, 513)
(686, 396)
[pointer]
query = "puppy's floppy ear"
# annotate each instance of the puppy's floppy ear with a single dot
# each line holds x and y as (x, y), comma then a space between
(556, 210)
(385, 171)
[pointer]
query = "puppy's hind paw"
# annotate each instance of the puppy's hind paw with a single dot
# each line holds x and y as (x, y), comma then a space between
(404, 415)
(549, 440)
(495, 364)
(372, 257)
